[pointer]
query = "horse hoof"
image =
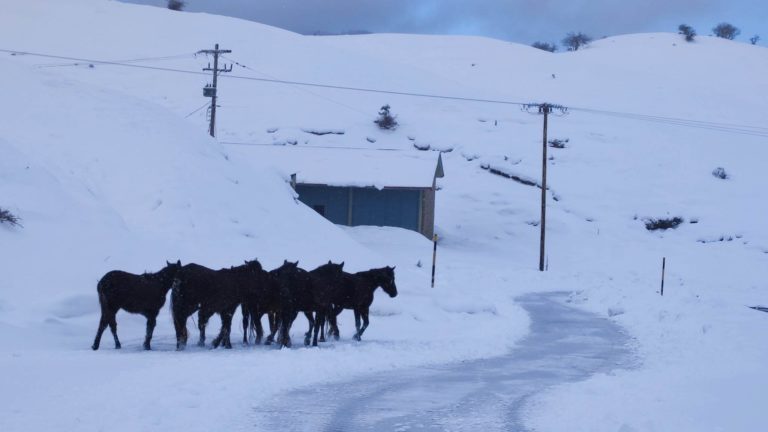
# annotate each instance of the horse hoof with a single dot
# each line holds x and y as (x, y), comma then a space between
(118, 346)
(357, 337)
(147, 348)
(94, 347)
(201, 344)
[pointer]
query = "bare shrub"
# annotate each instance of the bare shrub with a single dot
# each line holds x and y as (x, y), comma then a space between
(6, 217)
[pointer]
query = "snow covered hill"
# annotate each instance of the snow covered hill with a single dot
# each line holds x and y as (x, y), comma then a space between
(111, 167)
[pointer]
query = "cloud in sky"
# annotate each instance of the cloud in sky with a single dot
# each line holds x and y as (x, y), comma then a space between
(515, 20)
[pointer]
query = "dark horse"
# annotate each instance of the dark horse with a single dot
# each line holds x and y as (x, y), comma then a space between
(212, 291)
(356, 293)
(264, 299)
(143, 294)
(294, 289)
(325, 281)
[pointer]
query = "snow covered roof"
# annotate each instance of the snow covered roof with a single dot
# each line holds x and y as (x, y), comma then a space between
(351, 167)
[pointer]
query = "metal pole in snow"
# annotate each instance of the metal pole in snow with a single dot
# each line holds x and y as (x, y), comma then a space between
(434, 258)
(663, 269)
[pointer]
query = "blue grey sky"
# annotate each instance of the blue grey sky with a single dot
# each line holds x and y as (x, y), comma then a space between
(523, 21)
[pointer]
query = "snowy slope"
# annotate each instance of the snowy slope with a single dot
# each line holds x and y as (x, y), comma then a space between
(107, 172)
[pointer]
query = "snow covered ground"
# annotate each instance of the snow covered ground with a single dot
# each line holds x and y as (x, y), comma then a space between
(108, 169)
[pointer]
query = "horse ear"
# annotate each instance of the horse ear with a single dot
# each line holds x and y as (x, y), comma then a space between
(342, 264)
(285, 261)
(178, 262)
(167, 263)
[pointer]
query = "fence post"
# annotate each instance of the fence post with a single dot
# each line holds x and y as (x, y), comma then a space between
(663, 269)
(434, 258)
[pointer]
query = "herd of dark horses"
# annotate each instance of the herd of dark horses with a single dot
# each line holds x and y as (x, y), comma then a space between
(321, 294)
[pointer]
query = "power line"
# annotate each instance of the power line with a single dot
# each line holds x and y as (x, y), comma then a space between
(193, 112)
(136, 60)
(700, 124)
(272, 80)
(351, 108)
(249, 144)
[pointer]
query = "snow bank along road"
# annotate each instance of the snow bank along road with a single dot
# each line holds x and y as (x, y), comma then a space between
(564, 345)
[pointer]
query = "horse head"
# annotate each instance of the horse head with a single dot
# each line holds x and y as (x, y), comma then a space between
(253, 265)
(387, 281)
(170, 269)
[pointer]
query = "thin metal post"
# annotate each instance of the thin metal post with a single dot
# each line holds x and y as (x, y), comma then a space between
(434, 258)
(663, 270)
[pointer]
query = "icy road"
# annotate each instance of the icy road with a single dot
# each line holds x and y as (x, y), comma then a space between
(564, 345)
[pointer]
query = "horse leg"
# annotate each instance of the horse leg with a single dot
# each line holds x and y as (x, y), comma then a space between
(151, 322)
(246, 315)
(319, 323)
(311, 322)
(273, 327)
(357, 325)
(113, 327)
(256, 320)
(102, 326)
(181, 332)
(202, 321)
(364, 313)
(226, 328)
(332, 318)
(286, 320)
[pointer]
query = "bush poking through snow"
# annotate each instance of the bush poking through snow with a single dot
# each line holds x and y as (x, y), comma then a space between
(176, 5)
(574, 41)
(687, 31)
(720, 173)
(726, 31)
(545, 46)
(386, 120)
(9, 218)
(558, 143)
(754, 39)
(663, 224)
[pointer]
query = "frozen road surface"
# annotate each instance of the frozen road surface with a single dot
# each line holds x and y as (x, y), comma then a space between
(564, 345)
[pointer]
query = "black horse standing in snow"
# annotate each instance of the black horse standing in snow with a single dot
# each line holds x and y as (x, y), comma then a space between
(325, 281)
(264, 299)
(143, 294)
(294, 288)
(356, 293)
(212, 291)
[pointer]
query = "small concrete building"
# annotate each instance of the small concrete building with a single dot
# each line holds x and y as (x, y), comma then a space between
(364, 187)
(388, 191)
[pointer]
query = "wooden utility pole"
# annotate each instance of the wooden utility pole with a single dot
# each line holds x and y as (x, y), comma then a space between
(545, 109)
(210, 90)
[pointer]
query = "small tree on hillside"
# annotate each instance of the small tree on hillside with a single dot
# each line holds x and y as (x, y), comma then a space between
(546, 46)
(726, 31)
(754, 39)
(6, 217)
(574, 41)
(687, 31)
(386, 120)
(176, 5)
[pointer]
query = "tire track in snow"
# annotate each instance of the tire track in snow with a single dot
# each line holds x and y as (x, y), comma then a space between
(564, 345)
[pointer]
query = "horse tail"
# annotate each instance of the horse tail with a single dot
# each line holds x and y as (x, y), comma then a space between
(102, 288)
